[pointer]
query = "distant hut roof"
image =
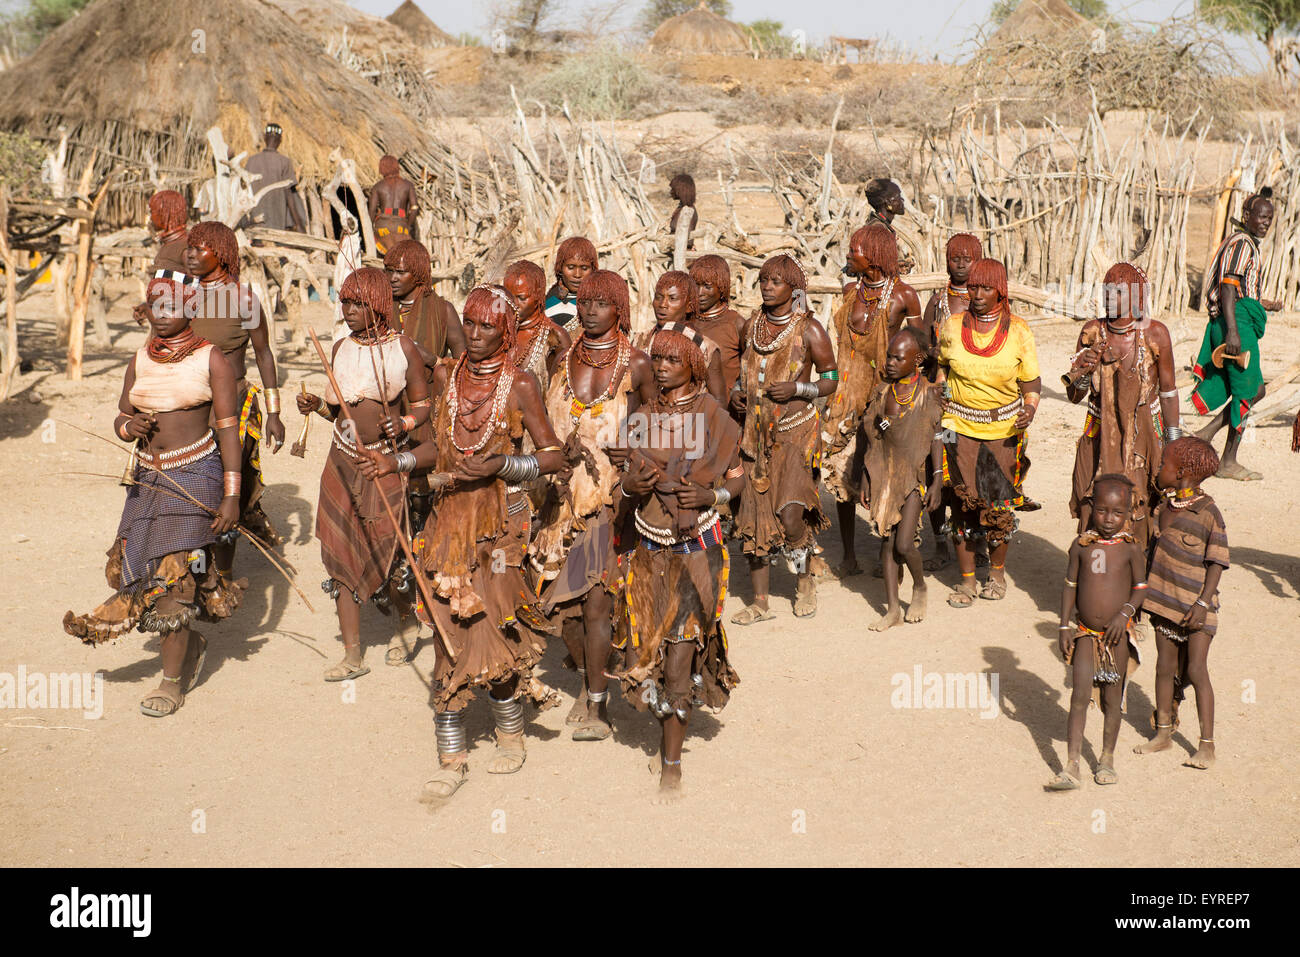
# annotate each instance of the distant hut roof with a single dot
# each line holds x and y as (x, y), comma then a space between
(419, 27)
(699, 31)
(128, 77)
(1039, 19)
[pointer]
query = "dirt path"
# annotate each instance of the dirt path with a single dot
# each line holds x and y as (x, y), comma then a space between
(811, 763)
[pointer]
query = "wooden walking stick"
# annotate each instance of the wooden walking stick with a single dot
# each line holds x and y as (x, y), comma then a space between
(299, 448)
(420, 581)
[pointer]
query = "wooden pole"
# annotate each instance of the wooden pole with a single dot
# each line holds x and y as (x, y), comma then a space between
(11, 297)
(420, 581)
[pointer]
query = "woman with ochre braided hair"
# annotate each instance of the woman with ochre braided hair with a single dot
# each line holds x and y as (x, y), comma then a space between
(1124, 366)
(786, 365)
(599, 383)
(184, 492)
(872, 309)
(991, 394)
(228, 314)
(168, 215)
(677, 302)
(685, 467)
(473, 552)
(716, 319)
(376, 368)
(575, 258)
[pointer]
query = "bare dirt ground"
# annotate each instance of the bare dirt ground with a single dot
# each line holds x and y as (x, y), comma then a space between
(811, 763)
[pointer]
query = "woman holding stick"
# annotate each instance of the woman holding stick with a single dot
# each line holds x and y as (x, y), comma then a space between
(184, 493)
(227, 313)
(375, 368)
(992, 392)
(474, 551)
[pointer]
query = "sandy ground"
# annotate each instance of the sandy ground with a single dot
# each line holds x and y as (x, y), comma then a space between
(811, 763)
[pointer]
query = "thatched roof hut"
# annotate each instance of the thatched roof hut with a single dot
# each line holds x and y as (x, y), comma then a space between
(327, 20)
(1039, 19)
(419, 27)
(144, 81)
(699, 31)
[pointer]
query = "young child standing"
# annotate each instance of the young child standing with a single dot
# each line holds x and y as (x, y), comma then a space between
(902, 468)
(1103, 590)
(1187, 560)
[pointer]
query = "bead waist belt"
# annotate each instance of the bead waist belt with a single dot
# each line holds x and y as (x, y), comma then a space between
(667, 537)
(350, 448)
(986, 416)
(175, 458)
(787, 423)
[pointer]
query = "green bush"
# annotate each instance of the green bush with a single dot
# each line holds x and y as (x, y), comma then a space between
(602, 83)
(20, 164)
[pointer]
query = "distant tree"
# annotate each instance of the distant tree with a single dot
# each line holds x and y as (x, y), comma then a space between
(522, 21)
(27, 26)
(1092, 9)
(1260, 18)
(469, 39)
(768, 35)
(657, 11)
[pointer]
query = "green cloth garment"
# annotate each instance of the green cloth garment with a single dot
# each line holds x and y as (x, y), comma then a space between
(1214, 387)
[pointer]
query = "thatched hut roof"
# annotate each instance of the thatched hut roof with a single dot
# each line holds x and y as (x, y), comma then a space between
(419, 27)
(1039, 19)
(699, 31)
(144, 81)
(326, 21)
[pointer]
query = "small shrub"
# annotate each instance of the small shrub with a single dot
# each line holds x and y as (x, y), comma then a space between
(602, 82)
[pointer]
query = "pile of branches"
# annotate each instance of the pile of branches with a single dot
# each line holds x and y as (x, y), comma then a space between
(1180, 68)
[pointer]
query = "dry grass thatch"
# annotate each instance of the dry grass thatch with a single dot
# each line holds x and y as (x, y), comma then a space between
(417, 25)
(699, 31)
(1040, 18)
(143, 82)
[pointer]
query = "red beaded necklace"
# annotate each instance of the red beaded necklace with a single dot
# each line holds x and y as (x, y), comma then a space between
(176, 348)
(994, 346)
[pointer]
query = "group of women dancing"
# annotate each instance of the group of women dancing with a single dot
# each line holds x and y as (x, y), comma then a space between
(528, 469)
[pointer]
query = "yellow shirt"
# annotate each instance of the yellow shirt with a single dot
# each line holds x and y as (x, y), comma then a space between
(979, 382)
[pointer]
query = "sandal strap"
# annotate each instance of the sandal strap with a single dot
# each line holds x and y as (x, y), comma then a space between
(177, 679)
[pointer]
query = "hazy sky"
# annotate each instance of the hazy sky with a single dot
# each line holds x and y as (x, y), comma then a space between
(928, 26)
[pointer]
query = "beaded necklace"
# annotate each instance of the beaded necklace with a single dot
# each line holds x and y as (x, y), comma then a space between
(620, 360)
(505, 379)
(994, 346)
(774, 342)
(1181, 498)
(176, 348)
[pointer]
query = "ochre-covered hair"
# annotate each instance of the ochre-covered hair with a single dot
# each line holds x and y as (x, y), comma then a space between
(575, 249)
(1126, 292)
(370, 286)
(686, 286)
(388, 165)
(411, 256)
(667, 342)
(964, 243)
(715, 271)
(493, 305)
(990, 274)
(174, 291)
(684, 186)
(879, 247)
(785, 268)
(168, 207)
(610, 286)
(1194, 458)
(220, 240)
(528, 271)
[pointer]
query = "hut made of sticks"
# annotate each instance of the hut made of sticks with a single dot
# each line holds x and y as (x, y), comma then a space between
(1039, 19)
(417, 25)
(699, 31)
(142, 82)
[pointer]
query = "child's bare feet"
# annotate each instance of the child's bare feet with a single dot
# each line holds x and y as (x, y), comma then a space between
(1067, 780)
(1203, 759)
(889, 619)
(916, 609)
(1105, 772)
(670, 783)
(1161, 742)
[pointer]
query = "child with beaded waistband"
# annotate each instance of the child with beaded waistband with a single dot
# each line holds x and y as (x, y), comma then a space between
(1187, 561)
(1104, 587)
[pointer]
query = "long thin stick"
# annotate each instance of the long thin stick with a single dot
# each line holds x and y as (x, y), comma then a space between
(416, 570)
(256, 542)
